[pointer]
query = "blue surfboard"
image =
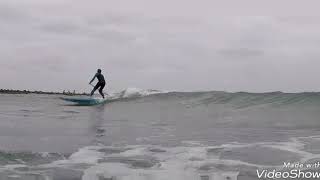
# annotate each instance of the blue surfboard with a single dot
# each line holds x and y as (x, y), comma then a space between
(85, 101)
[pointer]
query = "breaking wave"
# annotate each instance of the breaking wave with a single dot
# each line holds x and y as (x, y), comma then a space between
(236, 99)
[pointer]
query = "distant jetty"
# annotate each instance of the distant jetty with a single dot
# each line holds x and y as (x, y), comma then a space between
(68, 93)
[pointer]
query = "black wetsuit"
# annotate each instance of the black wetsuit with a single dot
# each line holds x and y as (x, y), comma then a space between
(100, 85)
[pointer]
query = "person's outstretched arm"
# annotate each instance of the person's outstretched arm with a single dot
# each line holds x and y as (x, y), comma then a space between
(93, 78)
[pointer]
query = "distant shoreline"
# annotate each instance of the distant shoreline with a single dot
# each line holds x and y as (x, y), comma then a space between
(68, 93)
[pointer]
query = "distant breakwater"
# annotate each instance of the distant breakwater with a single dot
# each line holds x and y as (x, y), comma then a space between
(13, 91)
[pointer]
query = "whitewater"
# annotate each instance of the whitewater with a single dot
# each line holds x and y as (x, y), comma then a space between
(155, 135)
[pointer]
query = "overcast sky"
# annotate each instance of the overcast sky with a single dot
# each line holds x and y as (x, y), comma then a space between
(165, 44)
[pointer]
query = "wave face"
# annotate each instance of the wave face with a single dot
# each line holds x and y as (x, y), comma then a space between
(237, 100)
(240, 109)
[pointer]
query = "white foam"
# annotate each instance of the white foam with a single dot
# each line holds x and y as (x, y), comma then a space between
(14, 176)
(86, 155)
(134, 152)
(134, 92)
(178, 163)
(13, 166)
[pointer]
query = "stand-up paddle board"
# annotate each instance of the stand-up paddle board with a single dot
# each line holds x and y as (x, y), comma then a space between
(85, 101)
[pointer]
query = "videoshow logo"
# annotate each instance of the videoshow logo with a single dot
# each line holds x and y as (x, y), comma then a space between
(291, 171)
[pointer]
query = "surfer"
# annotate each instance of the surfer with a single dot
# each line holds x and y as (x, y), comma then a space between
(101, 83)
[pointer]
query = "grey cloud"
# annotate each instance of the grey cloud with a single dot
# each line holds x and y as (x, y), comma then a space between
(9, 13)
(73, 30)
(240, 52)
(111, 18)
(53, 63)
(300, 20)
(60, 27)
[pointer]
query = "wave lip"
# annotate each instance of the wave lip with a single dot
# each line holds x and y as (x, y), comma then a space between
(135, 92)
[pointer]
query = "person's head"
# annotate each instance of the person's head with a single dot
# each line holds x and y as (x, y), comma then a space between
(99, 70)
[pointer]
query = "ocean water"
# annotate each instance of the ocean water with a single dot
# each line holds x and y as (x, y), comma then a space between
(148, 135)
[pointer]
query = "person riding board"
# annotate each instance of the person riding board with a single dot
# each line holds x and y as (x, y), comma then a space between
(101, 83)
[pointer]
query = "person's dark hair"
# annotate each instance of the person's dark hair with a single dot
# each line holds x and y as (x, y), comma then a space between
(99, 70)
